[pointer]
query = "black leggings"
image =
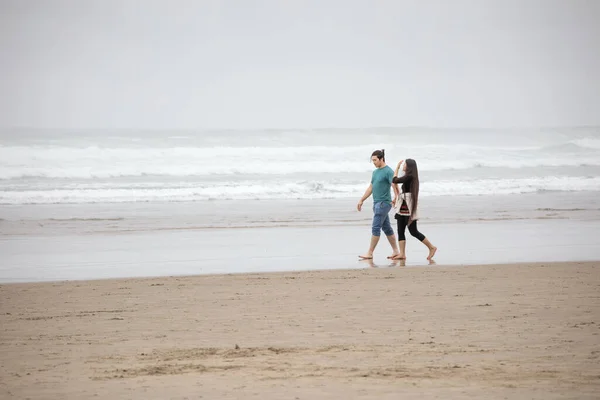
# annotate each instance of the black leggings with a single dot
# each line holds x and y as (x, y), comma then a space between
(412, 228)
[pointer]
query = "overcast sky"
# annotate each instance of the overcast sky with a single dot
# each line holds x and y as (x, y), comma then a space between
(322, 63)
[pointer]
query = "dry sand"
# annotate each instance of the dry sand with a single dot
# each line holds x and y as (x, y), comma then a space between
(506, 331)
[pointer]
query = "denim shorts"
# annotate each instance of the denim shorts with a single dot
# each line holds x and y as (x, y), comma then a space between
(381, 218)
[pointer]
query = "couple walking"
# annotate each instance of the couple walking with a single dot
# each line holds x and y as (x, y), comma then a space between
(405, 204)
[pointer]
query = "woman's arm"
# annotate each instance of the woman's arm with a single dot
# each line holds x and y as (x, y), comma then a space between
(396, 194)
(398, 168)
(400, 179)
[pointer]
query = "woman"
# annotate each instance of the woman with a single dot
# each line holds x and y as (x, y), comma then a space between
(407, 207)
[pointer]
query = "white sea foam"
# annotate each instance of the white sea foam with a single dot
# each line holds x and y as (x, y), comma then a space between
(255, 190)
(588, 142)
(150, 166)
(98, 162)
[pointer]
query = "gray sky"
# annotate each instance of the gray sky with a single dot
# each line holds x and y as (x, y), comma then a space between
(322, 63)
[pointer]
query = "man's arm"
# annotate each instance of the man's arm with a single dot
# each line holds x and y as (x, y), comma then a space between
(364, 197)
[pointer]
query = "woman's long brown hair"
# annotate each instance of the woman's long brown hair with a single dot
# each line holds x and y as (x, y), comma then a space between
(413, 172)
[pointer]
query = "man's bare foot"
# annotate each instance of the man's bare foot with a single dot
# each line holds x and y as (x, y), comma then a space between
(432, 252)
(366, 257)
(399, 257)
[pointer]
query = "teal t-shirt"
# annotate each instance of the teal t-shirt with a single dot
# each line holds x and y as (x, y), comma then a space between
(382, 184)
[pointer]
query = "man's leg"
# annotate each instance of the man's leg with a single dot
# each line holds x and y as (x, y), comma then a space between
(386, 227)
(369, 255)
(375, 231)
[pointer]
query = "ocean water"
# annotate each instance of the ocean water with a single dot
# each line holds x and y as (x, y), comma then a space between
(106, 204)
(90, 167)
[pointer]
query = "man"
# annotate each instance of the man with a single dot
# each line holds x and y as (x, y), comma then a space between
(381, 182)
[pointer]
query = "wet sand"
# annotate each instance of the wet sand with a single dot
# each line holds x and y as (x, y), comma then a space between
(495, 331)
(247, 250)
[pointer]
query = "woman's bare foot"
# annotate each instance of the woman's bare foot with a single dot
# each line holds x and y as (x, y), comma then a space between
(432, 251)
(366, 257)
(399, 257)
(392, 256)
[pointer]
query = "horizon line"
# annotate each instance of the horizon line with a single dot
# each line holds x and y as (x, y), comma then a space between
(321, 128)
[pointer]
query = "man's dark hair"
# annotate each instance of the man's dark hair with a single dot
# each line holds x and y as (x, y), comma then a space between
(379, 154)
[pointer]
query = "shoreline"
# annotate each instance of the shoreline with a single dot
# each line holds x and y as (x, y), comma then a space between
(223, 251)
(391, 265)
(117, 218)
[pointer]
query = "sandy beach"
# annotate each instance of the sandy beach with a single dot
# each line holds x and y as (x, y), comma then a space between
(187, 188)
(500, 331)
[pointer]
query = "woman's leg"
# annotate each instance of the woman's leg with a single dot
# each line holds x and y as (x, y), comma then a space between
(412, 228)
(402, 221)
